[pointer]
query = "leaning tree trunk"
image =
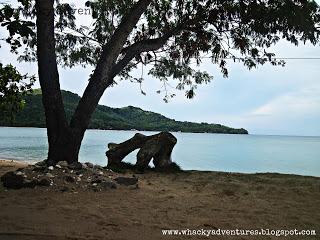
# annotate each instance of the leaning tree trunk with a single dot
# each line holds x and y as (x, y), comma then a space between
(158, 146)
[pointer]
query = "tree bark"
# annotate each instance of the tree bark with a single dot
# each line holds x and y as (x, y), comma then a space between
(102, 76)
(56, 122)
(158, 146)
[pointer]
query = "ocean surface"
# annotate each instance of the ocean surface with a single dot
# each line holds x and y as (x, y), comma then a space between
(196, 151)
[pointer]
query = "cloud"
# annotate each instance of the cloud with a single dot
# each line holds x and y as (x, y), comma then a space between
(305, 101)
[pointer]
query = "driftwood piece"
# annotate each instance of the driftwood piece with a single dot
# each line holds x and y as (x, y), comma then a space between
(157, 147)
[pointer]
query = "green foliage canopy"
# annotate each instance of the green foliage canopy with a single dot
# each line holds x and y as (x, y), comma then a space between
(172, 35)
(13, 87)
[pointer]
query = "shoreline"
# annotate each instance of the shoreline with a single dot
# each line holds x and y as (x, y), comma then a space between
(135, 130)
(17, 161)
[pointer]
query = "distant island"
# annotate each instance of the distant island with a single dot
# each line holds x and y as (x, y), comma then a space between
(126, 118)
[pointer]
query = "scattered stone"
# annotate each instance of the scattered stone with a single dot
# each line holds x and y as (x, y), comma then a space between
(49, 175)
(19, 173)
(58, 166)
(89, 165)
(50, 168)
(94, 184)
(41, 163)
(97, 180)
(98, 167)
(127, 181)
(38, 168)
(75, 166)
(69, 179)
(30, 183)
(45, 182)
(63, 164)
(79, 172)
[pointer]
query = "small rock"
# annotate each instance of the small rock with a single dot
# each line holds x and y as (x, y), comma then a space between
(49, 175)
(69, 179)
(79, 173)
(84, 166)
(45, 182)
(100, 173)
(89, 165)
(127, 181)
(75, 166)
(98, 167)
(63, 164)
(58, 166)
(97, 180)
(94, 184)
(50, 168)
(19, 173)
(38, 168)
(41, 164)
(30, 183)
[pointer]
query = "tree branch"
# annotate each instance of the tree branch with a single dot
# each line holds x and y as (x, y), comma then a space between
(137, 48)
(101, 78)
(113, 48)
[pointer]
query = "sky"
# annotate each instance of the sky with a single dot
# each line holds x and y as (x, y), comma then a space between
(266, 100)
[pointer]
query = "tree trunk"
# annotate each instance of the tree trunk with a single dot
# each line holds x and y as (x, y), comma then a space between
(64, 139)
(56, 122)
(158, 146)
(66, 148)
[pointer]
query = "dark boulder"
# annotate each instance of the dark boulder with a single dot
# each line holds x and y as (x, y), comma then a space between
(127, 181)
(12, 180)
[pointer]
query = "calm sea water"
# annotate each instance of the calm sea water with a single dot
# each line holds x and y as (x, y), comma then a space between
(198, 151)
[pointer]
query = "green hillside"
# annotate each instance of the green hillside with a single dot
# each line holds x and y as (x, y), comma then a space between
(112, 118)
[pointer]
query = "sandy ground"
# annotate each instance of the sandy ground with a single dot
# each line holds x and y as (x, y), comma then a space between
(188, 200)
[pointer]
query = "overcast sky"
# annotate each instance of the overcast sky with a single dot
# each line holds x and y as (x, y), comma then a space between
(266, 100)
